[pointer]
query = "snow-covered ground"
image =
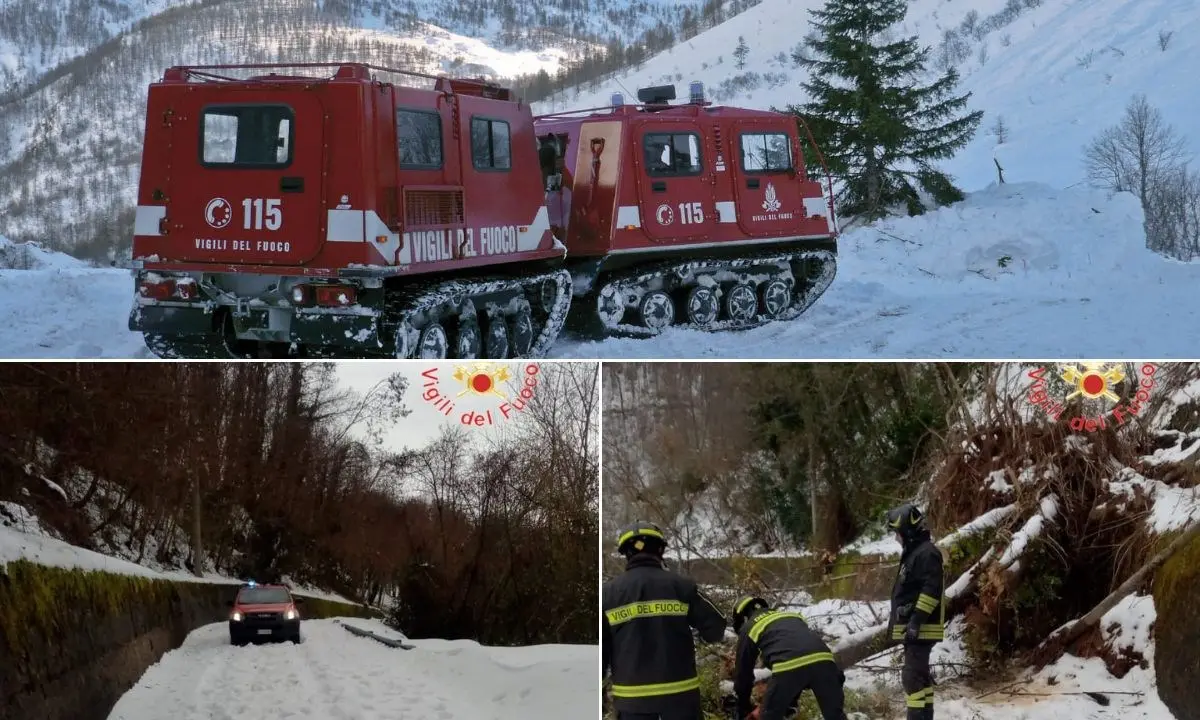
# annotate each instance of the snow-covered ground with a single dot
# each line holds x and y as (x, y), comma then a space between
(334, 675)
(1017, 270)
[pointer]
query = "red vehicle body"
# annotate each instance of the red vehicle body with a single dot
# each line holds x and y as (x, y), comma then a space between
(264, 612)
(689, 214)
(280, 214)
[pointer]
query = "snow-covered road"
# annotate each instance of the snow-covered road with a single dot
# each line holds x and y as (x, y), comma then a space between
(333, 675)
(1015, 271)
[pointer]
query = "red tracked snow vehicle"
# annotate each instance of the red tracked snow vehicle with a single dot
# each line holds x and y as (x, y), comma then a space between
(344, 215)
(687, 214)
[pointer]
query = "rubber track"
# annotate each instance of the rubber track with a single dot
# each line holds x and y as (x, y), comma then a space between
(813, 291)
(419, 301)
(411, 300)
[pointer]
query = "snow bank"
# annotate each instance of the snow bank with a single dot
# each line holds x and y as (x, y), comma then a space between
(32, 256)
(67, 311)
(37, 547)
(334, 674)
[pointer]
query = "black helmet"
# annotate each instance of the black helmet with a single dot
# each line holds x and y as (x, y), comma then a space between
(908, 520)
(640, 536)
(743, 607)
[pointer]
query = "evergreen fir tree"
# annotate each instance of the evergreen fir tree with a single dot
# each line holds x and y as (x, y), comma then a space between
(740, 52)
(879, 127)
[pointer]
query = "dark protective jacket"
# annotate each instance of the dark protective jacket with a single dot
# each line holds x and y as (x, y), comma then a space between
(785, 643)
(917, 594)
(649, 614)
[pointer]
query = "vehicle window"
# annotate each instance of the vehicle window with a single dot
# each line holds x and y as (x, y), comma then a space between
(672, 153)
(490, 149)
(263, 596)
(246, 135)
(766, 152)
(419, 136)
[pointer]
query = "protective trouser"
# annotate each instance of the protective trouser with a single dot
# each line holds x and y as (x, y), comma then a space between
(918, 681)
(686, 710)
(825, 679)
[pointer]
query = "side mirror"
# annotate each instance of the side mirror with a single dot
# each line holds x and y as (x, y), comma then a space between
(228, 603)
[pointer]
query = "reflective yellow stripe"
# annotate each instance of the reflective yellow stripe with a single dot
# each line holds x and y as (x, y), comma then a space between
(650, 608)
(742, 605)
(801, 661)
(933, 631)
(644, 531)
(637, 691)
(918, 699)
(765, 619)
(926, 603)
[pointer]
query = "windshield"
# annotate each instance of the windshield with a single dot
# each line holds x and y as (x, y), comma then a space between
(263, 596)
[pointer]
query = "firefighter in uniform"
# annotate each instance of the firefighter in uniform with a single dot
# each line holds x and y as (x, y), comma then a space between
(798, 658)
(649, 614)
(918, 614)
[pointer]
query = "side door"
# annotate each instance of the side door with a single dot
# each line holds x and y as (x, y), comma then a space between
(769, 193)
(246, 177)
(675, 192)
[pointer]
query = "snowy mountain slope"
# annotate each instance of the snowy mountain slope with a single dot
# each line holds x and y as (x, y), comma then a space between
(1029, 272)
(333, 674)
(1057, 71)
(36, 36)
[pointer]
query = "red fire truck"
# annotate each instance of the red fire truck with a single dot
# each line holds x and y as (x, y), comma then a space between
(344, 215)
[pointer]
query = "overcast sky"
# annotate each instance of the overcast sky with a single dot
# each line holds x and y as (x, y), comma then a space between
(426, 421)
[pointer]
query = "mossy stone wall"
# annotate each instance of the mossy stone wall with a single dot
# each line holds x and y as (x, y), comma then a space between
(1177, 632)
(73, 641)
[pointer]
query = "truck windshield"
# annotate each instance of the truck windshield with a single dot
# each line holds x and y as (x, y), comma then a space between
(263, 596)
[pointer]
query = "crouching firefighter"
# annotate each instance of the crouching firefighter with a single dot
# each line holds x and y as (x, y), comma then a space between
(797, 656)
(918, 613)
(649, 614)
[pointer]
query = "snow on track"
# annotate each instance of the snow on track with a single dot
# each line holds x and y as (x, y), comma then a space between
(333, 675)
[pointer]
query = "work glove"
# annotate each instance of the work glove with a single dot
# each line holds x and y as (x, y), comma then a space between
(904, 611)
(911, 633)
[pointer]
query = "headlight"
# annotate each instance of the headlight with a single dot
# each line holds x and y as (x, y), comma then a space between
(291, 615)
(236, 617)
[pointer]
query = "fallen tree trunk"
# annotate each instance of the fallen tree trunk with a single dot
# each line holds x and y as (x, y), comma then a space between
(1053, 646)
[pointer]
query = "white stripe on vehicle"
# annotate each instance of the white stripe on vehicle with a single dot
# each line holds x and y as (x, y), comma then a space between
(145, 220)
(345, 226)
(719, 243)
(628, 215)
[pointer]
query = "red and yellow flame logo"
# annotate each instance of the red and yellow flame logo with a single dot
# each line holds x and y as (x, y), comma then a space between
(482, 379)
(1094, 380)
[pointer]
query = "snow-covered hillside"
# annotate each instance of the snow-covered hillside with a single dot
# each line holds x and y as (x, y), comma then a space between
(1019, 270)
(334, 674)
(1057, 71)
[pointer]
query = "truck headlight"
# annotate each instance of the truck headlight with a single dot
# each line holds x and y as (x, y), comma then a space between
(236, 617)
(290, 615)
